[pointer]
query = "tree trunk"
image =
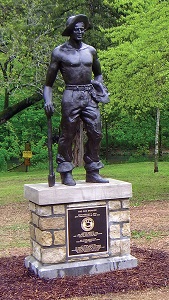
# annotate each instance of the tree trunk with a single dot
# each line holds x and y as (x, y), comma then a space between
(78, 148)
(156, 154)
(160, 142)
(6, 101)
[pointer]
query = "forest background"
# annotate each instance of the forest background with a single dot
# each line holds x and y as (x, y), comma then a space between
(132, 40)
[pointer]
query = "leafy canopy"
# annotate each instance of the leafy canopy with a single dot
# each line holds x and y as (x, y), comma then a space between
(136, 65)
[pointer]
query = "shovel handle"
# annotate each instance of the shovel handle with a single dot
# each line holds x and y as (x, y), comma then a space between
(51, 176)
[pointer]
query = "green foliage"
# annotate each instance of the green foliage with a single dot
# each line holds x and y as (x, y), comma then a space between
(40, 152)
(29, 32)
(131, 133)
(9, 145)
(3, 163)
(133, 39)
(164, 134)
(29, 125)
(136, 66)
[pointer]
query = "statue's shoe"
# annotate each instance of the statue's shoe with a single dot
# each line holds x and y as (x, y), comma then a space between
(95, 178)
(67, 178)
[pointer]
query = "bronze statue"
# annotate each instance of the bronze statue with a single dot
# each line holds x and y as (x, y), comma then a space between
(77, 62)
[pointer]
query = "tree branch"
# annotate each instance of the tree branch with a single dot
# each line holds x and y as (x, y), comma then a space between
(9, 112)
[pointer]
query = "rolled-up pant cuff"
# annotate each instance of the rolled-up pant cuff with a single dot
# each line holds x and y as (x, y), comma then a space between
(95, 165)
(65, 167)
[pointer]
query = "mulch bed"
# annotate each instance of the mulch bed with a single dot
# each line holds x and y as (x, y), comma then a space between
(17, 283)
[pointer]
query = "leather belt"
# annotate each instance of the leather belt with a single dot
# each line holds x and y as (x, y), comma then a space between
(74, 87)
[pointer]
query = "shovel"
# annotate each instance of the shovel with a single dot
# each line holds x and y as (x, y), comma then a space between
(51, 176)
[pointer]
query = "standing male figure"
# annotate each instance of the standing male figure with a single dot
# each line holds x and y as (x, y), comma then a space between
(77, 62)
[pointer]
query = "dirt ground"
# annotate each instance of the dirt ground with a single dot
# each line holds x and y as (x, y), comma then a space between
(160, 294)
(150, 244)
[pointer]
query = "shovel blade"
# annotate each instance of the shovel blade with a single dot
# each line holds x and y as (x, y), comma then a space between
(51, 180)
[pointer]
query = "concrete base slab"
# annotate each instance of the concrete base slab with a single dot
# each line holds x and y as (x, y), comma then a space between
(42, 194)
(95, 266)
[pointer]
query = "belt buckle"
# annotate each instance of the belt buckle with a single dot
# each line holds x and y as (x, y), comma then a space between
(83, 88)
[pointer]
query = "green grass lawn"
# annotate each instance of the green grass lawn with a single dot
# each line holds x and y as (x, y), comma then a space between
(146, 185)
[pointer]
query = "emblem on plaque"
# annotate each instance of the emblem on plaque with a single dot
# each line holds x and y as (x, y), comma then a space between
(87, 224)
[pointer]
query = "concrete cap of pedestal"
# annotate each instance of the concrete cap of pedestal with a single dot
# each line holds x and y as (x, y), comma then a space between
(41, 194)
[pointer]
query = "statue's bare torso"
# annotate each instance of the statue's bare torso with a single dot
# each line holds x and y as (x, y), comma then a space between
(75, 65)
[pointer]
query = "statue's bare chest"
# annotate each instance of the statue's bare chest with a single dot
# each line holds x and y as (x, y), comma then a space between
(76, 58)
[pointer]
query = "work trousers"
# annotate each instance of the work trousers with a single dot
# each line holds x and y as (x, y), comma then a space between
(79, 104)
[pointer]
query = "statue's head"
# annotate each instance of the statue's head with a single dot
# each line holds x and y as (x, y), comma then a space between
(74, 23)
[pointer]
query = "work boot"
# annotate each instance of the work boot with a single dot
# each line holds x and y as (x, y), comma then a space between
(95, 177)
(67, 178)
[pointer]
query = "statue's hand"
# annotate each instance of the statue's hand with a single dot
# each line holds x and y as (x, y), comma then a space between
(49, 109)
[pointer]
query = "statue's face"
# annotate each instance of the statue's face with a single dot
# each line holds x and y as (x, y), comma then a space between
(78, 32)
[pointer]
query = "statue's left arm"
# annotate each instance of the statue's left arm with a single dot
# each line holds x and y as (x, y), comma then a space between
(96, 68)
(50, 78)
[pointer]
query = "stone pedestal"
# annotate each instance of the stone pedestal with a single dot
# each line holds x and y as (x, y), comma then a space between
(84, 229)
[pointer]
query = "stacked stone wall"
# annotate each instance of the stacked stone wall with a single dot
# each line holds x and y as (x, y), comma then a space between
(48, 231)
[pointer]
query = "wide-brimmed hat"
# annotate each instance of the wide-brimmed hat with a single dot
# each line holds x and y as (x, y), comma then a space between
(73, 20)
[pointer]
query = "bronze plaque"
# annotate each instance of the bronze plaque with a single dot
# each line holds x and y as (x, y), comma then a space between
(87, 230)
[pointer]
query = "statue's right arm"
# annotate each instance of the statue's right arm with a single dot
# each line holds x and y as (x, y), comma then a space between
(50, 78)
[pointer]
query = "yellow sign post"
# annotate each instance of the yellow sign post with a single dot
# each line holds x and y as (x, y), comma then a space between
(27, 155)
